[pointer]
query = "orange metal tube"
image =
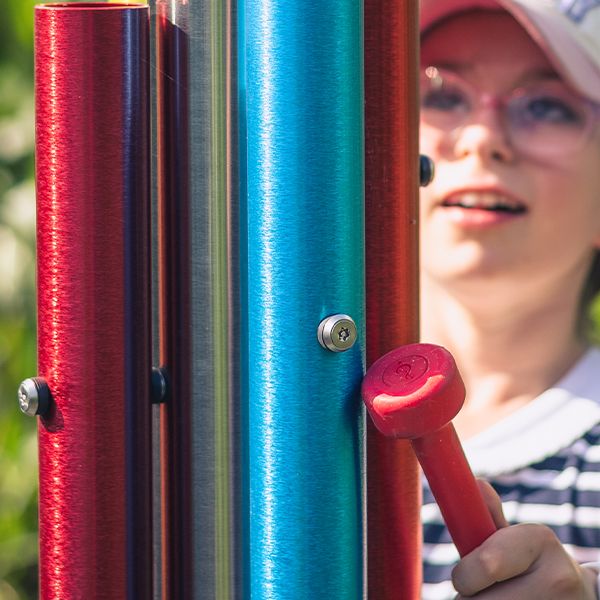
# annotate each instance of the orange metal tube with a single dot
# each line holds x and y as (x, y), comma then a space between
(392, 183)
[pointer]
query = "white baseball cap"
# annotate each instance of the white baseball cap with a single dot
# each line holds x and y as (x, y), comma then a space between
(568, 31)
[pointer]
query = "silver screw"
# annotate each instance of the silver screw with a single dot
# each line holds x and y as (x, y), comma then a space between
(34, 396)
(337, 333)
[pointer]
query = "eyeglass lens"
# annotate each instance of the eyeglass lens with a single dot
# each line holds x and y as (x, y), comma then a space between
(540, 119)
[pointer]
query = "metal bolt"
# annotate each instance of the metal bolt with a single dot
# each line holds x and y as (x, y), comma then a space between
(426, 170)
(158, 385)
(337, 333)
(34, 396)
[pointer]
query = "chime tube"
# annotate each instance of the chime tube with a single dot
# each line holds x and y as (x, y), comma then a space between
(92, 173)
(392, 184)
(199, 297)
(302, 108)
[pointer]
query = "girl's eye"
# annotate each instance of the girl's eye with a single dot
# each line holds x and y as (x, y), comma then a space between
(444, 100)
(550, 110)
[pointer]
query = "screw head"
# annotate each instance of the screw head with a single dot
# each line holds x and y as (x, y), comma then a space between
(158, 385)
(337, 333)
(34, 396)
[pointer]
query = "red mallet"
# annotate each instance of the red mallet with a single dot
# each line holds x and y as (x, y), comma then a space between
(414, 392)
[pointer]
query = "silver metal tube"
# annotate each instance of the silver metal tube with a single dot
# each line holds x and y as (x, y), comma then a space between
(199, 304)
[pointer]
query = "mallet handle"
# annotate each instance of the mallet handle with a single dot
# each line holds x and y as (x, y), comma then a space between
(455, 489)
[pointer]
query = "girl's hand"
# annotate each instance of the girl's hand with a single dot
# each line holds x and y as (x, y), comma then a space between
(521, 562)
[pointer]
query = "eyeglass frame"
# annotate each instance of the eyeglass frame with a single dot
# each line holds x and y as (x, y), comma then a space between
(590, 110)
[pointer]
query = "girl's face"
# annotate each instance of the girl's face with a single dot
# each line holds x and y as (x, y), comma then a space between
(496, 213)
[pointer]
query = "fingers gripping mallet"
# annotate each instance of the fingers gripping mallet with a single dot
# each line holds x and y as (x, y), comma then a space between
(414, 392)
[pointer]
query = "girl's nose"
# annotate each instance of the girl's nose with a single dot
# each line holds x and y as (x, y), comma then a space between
(485, 136)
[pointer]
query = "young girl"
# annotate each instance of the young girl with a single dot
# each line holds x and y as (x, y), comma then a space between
(510, 230)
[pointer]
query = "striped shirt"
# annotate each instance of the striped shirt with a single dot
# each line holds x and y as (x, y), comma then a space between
(544, 462)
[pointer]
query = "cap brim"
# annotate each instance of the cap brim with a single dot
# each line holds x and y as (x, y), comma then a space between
(555, 34)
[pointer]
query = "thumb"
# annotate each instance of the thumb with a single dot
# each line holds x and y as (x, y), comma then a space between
(493, 503)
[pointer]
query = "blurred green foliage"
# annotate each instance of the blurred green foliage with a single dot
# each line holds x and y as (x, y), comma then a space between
(18, 448)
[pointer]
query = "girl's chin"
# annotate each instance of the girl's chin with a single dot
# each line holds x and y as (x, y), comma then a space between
(470, 268)
(481, 289)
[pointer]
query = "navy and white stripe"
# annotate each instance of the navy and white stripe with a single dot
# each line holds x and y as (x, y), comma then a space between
(561, 491)
(544, 461)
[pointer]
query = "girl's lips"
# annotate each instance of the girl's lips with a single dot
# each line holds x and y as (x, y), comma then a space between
(477, 217)
(482, 207)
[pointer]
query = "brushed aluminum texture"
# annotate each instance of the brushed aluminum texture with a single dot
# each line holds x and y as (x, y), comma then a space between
(303, 119)
(92, 175)
(199, 294)
(392, 187)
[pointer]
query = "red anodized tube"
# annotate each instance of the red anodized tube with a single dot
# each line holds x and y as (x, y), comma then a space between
(413, 393)
(392, 190)
(92, 177)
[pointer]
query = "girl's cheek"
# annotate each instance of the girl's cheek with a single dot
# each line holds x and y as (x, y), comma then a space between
(433, 144)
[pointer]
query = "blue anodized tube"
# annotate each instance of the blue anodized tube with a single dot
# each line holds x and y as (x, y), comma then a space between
(302, 106)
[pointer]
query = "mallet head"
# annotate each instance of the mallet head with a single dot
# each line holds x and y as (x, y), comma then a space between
(413, 390)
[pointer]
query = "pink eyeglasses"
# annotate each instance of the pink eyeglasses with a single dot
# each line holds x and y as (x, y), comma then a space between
(541, 120)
